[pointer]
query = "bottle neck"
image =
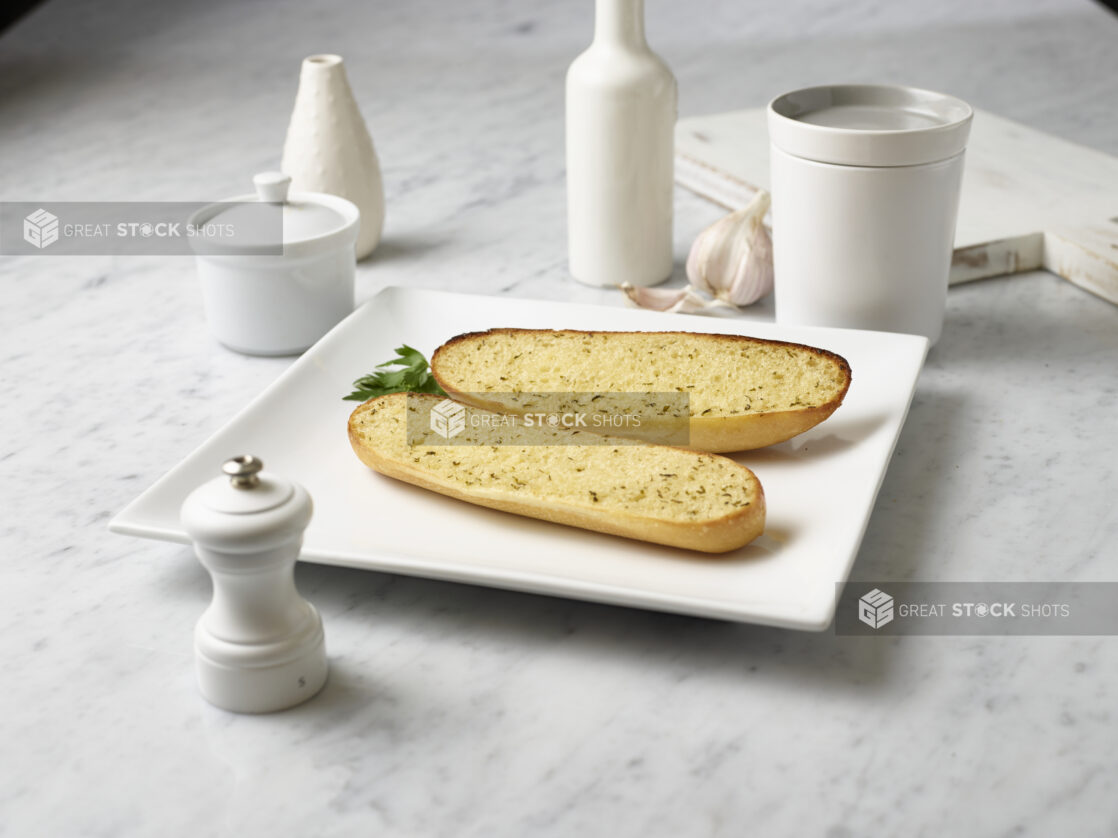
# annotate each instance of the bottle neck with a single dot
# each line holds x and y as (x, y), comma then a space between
(619, 23)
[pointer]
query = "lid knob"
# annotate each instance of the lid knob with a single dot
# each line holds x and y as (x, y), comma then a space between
(243, 471)
(271, 187)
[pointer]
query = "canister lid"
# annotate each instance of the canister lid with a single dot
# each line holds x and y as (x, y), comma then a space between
(869, 125)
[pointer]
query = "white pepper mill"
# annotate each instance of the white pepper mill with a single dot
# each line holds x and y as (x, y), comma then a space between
(259, 647)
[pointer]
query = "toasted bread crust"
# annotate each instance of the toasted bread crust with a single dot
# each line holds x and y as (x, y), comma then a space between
(719, 535)
(740, 432)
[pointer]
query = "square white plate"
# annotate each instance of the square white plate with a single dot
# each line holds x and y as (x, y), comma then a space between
(820, 487)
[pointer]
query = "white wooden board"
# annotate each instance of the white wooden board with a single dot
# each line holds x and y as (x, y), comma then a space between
(1030, 200)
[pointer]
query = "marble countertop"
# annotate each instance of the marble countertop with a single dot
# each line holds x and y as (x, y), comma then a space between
(456, 710)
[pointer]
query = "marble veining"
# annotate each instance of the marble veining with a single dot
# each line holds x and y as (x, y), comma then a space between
(454, 710)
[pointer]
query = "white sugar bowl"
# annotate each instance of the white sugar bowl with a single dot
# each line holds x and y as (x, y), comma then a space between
(268, 292)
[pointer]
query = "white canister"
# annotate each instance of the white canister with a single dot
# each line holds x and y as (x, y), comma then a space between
(283, 284)
(865, 190)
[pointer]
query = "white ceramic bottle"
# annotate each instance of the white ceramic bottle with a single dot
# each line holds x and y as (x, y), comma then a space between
(328, 147)
(621, 113)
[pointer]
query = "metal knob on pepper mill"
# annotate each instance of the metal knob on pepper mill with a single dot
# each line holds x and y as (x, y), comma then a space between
(260, 646)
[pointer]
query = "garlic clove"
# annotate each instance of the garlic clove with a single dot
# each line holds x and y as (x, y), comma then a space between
(658, 299)
(701, 255)
(753, 278)
(672, 300)
(732, 259)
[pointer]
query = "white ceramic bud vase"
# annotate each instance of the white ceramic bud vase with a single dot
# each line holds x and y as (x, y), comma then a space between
(329, 149)
(621, 112)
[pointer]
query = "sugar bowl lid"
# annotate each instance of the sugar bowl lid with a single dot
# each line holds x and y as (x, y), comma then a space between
(277, 221)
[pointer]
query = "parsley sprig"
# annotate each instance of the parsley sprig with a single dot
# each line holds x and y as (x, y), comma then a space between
(410, 375)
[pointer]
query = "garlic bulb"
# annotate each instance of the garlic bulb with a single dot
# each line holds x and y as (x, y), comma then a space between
(732, 260)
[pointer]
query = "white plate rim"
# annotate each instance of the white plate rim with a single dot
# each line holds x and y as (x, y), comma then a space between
(817, 619)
